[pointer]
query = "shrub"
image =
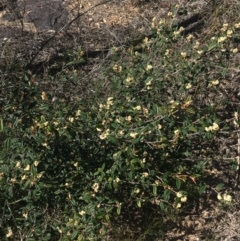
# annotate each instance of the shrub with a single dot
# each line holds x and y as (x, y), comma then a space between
(67, 168)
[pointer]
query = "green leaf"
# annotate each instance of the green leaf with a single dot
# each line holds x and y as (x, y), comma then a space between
(178, 183)
(107, 217)
(26, 184)
(180, 168)
(154, 190)
(7, 144)
(201, 189)
(1, 124)
(212, 46)
(139, 204)
(166, 194)
(74, 235)
(190, 110)
(119, 210)
(219, 186)
(162, 206)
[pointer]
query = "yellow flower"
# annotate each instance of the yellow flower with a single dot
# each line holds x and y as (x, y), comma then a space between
(105, 134)
(71, 119)
(129, 79)
(170, 14)
(229, 33)
(234, 50)
(161, 21)
(44, 96)
(137, 107)
(188, 86)
(118, 120)
(117, 68)
(149, 67)
(149, 87)
(159, 126)
(225, 27)
(13, 180)
(167, 52)
(101, 106)
(18, 165)
(199, 52)
(183, 54)
(78, 113)
(176, 132)
(24, 177)
(82, 213)
(145, 40)
(39, 175)
(237, 25)
(197, 44)
(110, 101)
(227, 198)
(27, 168)
(133, 134)
(219, 197)
(215, 82)
(9, 233)
(128, 118)
(222, 39)
(121, 132)
(178, 205)
(145, 111)
(183, 199)
(137, 191)
(179, 194)
(189, 37)
(36, 163)
(75, 164)
(25, 215)
(95, 187)
(181, 29)
(207, 129)
(59, 230)
(117, 179)
(145, 174)
(149, 83)
(215, 127)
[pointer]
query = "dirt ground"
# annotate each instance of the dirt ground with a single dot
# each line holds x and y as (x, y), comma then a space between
(95, 25)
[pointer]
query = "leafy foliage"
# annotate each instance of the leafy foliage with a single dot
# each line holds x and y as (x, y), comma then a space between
(139, 143)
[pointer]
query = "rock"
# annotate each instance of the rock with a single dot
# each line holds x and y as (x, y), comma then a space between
(43, 14)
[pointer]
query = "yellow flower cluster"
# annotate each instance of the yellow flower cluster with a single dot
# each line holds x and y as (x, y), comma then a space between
(237, 25)
(104, 135)
(108, 104)
(225, 197)
(213, 128)
(183, 198)
(178, 32)
(117, 68)
(213, 83)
